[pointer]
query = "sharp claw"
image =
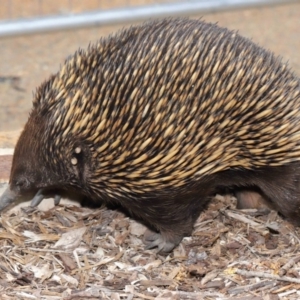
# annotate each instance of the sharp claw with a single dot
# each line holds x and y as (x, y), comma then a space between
(40, 196)
(37, 199)
(164, 243)
(57, 199)
(153, 244)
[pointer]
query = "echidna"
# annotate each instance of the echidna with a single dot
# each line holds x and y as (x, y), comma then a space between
(157, 119)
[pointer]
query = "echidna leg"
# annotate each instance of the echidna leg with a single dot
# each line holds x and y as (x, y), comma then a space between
(285, 198)
(275, 187)
(172, 223)
(41, 195)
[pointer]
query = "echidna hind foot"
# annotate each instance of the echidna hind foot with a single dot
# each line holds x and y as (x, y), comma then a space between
(251, 198)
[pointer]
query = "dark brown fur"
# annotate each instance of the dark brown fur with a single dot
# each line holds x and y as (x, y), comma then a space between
(159, 118)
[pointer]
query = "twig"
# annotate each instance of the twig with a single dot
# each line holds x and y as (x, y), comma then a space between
(251, 287)
(289, 265)
(266, 275)
(103, 262)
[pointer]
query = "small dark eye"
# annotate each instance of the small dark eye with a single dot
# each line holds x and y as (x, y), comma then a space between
(21, 183)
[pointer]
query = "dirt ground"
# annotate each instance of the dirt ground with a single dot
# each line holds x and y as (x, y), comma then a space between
(71, 252)
(28, 60)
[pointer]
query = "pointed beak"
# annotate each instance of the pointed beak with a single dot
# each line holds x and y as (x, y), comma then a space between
(7, 198)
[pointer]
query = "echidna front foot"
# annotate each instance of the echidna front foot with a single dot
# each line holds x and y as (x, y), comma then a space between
(165, 242)
(41, 195)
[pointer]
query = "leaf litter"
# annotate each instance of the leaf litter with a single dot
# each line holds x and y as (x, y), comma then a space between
(71, 252)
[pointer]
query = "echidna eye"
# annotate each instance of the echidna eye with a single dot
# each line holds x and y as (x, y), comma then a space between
(21, 183)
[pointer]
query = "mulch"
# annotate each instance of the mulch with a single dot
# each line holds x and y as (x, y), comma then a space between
(72, 252)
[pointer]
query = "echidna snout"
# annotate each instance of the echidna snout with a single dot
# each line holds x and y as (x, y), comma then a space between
(158, 118)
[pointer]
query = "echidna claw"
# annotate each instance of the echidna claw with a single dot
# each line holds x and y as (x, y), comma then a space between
(154, 239)
(37, 199)
(41, 195)
(57, 199)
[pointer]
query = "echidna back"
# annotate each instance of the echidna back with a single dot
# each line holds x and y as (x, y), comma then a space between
(176, 99)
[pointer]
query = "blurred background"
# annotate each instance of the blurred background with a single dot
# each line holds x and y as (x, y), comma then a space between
(37, 35)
